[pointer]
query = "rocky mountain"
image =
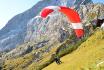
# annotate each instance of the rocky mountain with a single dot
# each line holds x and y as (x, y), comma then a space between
(17, 29)
(55, 29)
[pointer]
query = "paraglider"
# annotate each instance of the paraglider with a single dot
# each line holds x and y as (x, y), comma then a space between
(71, 14)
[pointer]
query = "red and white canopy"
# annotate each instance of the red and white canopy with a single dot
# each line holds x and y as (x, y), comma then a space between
(72, 15)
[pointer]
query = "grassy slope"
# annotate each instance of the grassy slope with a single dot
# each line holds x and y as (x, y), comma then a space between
(26, 62)
(86, 57)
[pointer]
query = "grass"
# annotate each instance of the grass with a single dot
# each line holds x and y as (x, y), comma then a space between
(26, 62)
(86, 57)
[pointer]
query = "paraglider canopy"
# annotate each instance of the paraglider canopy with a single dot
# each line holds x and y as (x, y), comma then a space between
(71, 14)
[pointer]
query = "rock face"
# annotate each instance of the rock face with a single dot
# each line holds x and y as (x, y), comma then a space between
(14, 32)
(18, 30)
(91, 11)
(51, 29)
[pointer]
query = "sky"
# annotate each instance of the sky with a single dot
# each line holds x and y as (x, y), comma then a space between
(10, 8)
(98, 1)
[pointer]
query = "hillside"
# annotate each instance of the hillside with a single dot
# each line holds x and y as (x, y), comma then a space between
(89, 55)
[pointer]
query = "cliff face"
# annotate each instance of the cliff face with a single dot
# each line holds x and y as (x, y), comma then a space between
(15, 32)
